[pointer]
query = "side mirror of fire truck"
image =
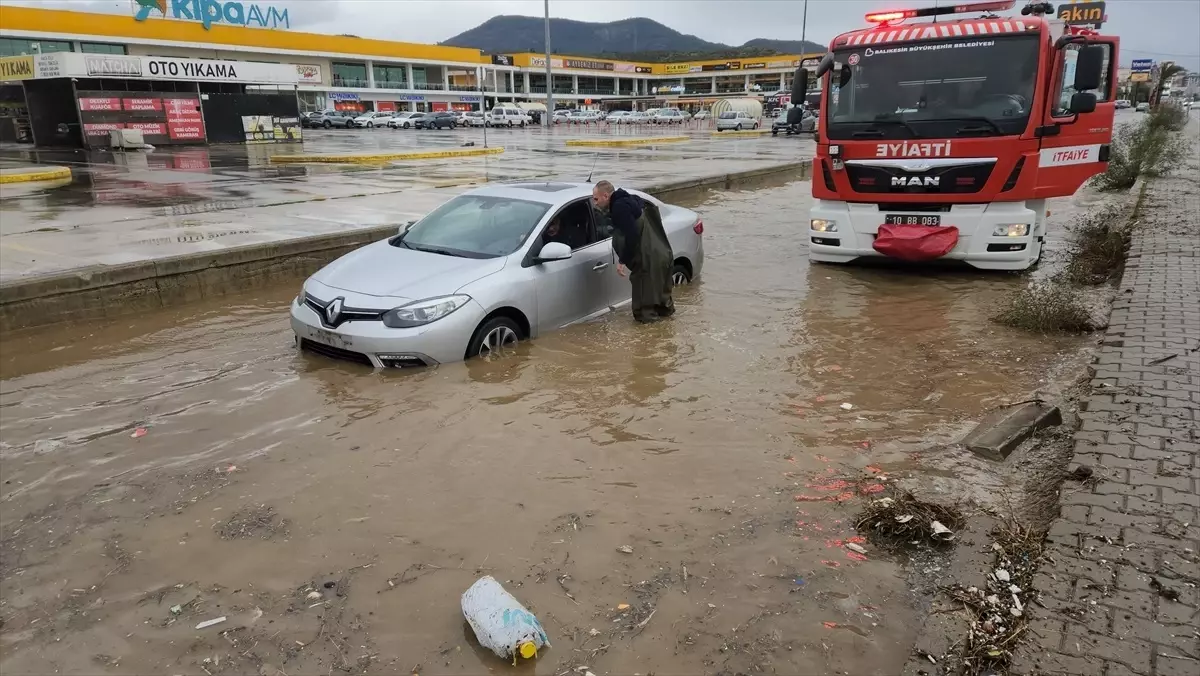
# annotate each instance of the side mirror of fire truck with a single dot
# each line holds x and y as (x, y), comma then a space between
(1082, 102)
(799, 86)
(1089, 67)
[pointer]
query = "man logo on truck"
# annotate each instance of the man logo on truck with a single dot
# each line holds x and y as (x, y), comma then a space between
(924, 181)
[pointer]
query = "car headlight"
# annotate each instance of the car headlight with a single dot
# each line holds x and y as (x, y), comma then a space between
(1011, 230)
(823, 225)
(423, 312)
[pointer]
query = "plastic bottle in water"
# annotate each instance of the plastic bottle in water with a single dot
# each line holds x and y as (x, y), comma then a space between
(500, 622)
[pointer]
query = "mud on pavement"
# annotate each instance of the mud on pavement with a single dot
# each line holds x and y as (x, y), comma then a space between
(332, 516)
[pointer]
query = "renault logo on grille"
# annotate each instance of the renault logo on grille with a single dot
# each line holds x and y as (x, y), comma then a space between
(333, 311)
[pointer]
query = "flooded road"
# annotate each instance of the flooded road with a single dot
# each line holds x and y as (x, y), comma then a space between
(333, 515)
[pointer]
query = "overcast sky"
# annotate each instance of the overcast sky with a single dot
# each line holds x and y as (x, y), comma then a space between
(1160, 29)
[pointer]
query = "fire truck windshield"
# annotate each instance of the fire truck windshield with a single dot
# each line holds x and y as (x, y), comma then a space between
(980, 86)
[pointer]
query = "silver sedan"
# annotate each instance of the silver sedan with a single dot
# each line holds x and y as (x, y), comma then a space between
(490, 267)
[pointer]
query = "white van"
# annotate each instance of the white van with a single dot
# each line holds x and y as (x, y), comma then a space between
(505, 116)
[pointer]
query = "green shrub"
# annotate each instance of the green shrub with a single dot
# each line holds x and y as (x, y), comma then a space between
(1046, 307)
(1149, 147)
(1168, 116)
(1098, 245)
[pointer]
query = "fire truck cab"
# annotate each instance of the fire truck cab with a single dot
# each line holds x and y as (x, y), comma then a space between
(943, 139)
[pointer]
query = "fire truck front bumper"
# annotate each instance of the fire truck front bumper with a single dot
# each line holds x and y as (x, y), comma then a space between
(996, 236)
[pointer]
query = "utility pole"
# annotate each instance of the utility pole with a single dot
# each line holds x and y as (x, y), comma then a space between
(549, 116)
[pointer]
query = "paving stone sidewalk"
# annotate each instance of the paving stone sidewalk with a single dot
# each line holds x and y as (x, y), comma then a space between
(1121, 591)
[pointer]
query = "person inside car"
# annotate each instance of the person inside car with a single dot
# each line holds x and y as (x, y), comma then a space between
(571, 235)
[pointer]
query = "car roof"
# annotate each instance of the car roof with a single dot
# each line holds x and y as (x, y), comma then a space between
(553, 193)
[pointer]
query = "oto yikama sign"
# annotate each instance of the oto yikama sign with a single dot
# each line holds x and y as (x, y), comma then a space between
(193, 70)
(1082, 13)
(208, 12)
(16, 68)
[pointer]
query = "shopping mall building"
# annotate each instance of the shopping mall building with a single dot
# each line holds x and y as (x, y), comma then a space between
(169, 66)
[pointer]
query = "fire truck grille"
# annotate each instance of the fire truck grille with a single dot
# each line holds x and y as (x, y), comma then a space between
(960, 179)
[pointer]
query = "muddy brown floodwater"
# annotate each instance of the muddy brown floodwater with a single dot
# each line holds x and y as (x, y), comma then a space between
(333, 515)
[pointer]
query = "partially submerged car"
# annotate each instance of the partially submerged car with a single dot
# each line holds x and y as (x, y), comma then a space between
(488, 268)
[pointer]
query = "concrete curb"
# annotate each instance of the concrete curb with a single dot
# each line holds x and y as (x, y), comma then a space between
(383, 157)
(108, 291)
(38, 174)
(628, 141)
(744, 132)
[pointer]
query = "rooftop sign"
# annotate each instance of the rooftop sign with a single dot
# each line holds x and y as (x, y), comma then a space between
(209, 12)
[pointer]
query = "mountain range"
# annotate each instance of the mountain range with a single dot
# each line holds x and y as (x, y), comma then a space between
(636, 39)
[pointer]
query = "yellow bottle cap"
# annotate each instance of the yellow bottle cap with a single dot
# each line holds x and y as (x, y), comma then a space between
(528, 650)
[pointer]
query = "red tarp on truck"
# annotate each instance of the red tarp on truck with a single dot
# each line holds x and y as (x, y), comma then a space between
(915, 242)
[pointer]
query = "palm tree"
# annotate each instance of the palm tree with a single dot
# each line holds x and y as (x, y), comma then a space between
(1165, 73)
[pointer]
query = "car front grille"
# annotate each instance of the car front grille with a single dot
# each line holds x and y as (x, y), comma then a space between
(334, 352)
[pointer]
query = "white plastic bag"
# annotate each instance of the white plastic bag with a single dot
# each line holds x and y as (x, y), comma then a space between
(500, 622)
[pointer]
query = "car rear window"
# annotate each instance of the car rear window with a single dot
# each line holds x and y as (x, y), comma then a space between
(728, 116)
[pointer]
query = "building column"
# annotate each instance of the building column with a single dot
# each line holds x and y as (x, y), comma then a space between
(782, 81)
(408, 81)
(527, 89)
(445, 78)
(714, 85)
(616, 85)
(747, 86)
(371, 74)
(574, 84)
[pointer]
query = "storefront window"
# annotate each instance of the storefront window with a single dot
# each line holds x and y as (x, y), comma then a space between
(349, 74)
(390, 77)
(22, 46)
(100, 48)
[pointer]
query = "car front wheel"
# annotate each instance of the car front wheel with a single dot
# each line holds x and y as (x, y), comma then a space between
(493, 337)
(327, 124)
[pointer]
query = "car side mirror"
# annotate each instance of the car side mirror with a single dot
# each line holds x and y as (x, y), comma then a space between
(553, 251)
(1082, 102)
(1089, 67)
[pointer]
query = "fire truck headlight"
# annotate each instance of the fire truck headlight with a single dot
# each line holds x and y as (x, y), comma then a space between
(823, 225)
(1011, 230)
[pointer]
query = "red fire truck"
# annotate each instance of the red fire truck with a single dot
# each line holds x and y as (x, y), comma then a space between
(942, 139)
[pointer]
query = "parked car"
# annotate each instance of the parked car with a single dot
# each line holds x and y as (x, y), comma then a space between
(370, 120)
(312, 119)
(1123, 103)
(471, 118)
(584, 117)
(334, 118)
(1143, 107)
(402, 120)
(562, 116)
(503, 116)
(668, 116)
(701, 115)
(477, 275)
(442, 119)
(736, 120)
(618, 117)
(638, 117)
(806, 125)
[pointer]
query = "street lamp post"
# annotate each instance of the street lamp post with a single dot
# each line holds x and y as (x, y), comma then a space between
(549, 74)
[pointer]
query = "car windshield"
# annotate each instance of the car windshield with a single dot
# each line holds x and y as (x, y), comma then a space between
(728, 116)
(475, 226)
(947, 88)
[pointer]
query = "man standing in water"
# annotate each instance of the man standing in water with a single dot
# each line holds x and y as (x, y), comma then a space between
(643, 251)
